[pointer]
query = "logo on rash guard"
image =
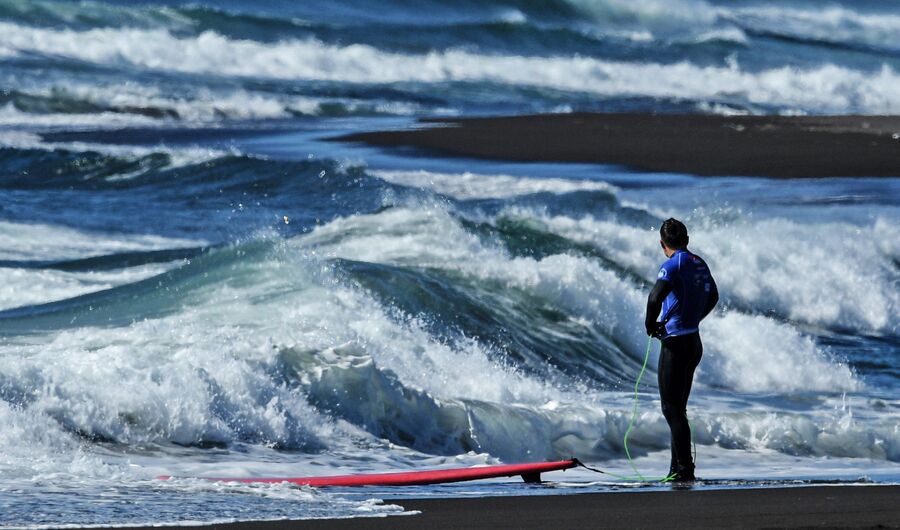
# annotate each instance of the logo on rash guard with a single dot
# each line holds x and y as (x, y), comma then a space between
(662, 274)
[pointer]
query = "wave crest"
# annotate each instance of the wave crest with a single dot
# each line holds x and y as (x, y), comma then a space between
(826, 88)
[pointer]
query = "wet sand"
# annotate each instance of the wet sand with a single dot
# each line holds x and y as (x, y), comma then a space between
(797, 507)
(766, 146)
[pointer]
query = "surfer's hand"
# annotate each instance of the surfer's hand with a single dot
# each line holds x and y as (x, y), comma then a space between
(656, 330)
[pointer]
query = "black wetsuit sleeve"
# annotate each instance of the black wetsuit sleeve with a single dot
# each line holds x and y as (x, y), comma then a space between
(660, 291)
(713, 298)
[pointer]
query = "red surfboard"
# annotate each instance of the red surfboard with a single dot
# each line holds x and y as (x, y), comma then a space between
(530, 473)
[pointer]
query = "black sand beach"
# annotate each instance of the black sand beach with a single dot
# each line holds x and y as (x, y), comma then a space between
(766, 146)
(799, 507)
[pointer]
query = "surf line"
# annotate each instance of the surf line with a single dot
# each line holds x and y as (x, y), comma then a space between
(530, 472)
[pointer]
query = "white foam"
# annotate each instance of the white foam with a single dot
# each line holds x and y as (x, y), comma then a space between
(745, 355)
(216, 371)
(188, 377)
(21, 287)
(34, 445)
(727, 34)
(10, 115)
(178, 156)
(701, 21)
(431, 238)
(513, 16)
(479, 186)
(826, 273)
(830, 23)
(834, 429)
(648, 13)
(33, 241)
(192, 106)
(754, 354)
(53, 477)
(178, 378)
(159, 380)
(824, 88)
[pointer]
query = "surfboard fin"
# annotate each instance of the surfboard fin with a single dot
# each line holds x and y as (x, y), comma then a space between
(531, 478)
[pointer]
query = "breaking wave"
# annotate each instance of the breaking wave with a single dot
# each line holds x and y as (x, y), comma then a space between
(821, 88)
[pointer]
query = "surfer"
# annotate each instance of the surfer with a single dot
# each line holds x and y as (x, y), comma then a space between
(683, 295)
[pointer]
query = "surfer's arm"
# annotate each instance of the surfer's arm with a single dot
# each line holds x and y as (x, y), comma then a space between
(658, 294)
(713, 298)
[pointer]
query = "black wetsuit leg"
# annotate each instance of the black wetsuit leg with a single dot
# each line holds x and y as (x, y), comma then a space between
(678, 358)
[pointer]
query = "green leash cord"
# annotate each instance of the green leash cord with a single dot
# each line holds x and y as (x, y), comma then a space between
(634, 412)
(637, 474)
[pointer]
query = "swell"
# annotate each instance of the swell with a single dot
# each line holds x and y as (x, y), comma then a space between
(522, 238)
(155, 297)
(89, 106)
(818, 86)
(346, 383)
(60, 102)
(479, 26)
(286, 62)
(819, 41)
(559, 26)
(86, 169)
(35, 169)
(520, 330)
(443, 361)
(261, 193)
(109, 261)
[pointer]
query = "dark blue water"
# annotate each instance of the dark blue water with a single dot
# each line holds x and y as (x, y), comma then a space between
(196, 283)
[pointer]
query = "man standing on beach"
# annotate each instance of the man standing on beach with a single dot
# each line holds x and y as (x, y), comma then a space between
(683, 295)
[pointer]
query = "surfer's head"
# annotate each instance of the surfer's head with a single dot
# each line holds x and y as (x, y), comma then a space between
(673, 236)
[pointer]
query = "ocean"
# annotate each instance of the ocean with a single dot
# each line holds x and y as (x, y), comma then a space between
(196, 283)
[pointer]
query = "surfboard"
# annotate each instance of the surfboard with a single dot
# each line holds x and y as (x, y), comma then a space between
(530, 473)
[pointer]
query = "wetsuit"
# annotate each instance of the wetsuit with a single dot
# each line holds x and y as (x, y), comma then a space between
(684, 293)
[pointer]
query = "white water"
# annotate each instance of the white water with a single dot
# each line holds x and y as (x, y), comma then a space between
(476, 186)
(830, 24)
(150, 381)
(23, 287)
(29, 241)
(827, 88)
(829, 273)
(193, 107)
(271, 358)
(588, 291)
(217, 371)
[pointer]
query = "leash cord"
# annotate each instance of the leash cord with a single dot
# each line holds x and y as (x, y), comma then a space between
(634, 411)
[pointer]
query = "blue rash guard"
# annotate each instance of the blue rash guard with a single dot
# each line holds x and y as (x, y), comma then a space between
(683, 295)
(692, 294)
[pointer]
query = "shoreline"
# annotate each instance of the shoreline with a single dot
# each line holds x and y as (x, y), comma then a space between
(861, 506)
(697, 144)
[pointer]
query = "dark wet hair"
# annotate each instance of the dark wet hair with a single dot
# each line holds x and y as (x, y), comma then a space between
(674, 234)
